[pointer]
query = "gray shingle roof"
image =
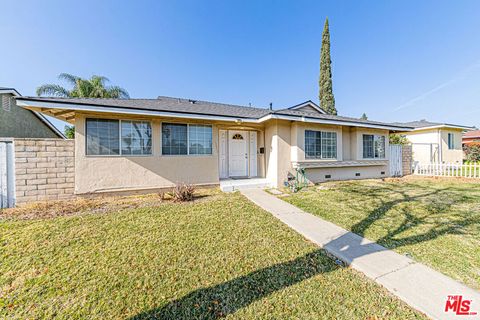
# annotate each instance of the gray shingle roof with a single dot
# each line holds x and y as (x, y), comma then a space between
(425, 124)
(181, 105)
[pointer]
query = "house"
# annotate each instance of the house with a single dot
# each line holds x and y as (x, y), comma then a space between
(471, 138)
(17, 122)
(141, 144)
(436, 142)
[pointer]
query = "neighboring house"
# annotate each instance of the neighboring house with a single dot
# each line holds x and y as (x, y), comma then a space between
(436, 142)
(471, 137)
(134, 144)
(18, 122)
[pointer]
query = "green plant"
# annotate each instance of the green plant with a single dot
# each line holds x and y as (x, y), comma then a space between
(95, 87)
(327, 100)
(472, 152)
(183, 192)
(69, 132)
(399, 139)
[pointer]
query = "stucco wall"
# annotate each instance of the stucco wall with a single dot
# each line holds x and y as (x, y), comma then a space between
(16, 122)
(454, 155)
(113, 173)
(44, 169)
(316, 175)
(437, 137)
(278, 151)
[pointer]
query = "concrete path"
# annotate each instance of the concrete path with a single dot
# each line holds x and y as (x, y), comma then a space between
(418, 285)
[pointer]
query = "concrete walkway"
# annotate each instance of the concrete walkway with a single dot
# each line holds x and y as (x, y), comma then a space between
(418, 285)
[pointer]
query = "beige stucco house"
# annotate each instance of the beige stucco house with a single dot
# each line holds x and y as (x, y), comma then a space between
(436, 142)
(138, 144)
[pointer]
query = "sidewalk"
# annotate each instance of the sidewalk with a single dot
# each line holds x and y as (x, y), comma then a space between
(418, 285)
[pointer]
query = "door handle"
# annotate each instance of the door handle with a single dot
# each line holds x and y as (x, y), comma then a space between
(246, 156)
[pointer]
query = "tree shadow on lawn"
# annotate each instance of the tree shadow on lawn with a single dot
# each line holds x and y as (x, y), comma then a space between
(436, 221)
(226, 298)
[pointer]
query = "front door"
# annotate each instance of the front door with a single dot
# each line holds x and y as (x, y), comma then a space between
(237, 154)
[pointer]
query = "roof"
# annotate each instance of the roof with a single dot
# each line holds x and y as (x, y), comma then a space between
(37, 114)
(424, 124)
(472, 134)
(198, 109)
(308, 103)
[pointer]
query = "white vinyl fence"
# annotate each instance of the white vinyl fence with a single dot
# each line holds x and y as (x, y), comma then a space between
(448, 170)
(7, 174)
(396, 160)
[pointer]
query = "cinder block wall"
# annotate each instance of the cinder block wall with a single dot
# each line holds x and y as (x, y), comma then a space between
(44, 169)
(407, 159)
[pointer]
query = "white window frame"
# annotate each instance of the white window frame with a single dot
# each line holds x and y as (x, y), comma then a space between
(120, 154)
(188, 140)
(375, 136)
(321, 154)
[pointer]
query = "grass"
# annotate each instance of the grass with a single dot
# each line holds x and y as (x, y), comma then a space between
(220, 256)
(436, 221)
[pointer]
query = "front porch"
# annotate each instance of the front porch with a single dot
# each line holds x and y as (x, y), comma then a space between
(231, 185)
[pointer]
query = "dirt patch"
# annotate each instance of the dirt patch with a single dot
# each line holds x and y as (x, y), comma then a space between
(58, 208)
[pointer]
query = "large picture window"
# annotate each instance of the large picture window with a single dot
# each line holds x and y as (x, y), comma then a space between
(118, 137)
(373, 146)
(184, 139)
(320, 145)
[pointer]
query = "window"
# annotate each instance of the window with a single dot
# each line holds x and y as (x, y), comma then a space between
(178, 139)
(373, 146)
(199, 139)
(320, 145)
(103, 137)
(451, 141)
(136, 137)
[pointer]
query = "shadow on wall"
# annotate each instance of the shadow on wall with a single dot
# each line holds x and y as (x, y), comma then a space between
(226, 298)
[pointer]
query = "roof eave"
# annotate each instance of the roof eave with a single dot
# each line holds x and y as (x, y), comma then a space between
(35, 103)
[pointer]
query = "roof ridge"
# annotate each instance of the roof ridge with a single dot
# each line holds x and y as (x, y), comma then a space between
(212, 102)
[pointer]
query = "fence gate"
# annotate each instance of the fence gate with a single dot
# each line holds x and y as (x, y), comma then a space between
(7, 174)
(396, 160)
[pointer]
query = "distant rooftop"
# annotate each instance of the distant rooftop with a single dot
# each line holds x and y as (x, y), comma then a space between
(421, 124)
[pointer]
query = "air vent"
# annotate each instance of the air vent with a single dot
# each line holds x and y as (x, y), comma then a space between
(328, 176)
(357, 174)
(383, 172)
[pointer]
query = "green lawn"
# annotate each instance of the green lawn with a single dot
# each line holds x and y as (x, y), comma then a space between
(219, 256)
(436, 221)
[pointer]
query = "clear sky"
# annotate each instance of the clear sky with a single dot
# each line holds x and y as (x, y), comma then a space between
(394, 60)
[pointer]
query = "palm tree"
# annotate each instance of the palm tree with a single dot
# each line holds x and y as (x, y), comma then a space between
(95, 87)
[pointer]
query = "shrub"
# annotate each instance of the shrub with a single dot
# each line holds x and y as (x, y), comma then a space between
(396, 138)
(472, 152)
(183, 192)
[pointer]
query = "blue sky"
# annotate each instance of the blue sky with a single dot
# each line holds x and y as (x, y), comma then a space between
(394, 60)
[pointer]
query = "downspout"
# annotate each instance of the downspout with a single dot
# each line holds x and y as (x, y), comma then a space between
(440, 146)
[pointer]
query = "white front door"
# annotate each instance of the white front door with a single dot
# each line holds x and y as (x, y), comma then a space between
(237, 153)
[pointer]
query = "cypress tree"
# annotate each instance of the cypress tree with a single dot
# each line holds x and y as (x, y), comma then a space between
(327, 100)
(364, 116)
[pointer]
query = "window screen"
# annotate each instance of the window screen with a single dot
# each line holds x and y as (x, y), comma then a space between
(174, 139)
(320, 145)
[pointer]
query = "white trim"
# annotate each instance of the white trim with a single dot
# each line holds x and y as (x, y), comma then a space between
(107, 109)
(308, 103)
(446, 126)
(252, 155)
(223, 153)
(334, 122)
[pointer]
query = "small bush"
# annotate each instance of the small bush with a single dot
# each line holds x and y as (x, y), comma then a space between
(183, 192)
(472, 152)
